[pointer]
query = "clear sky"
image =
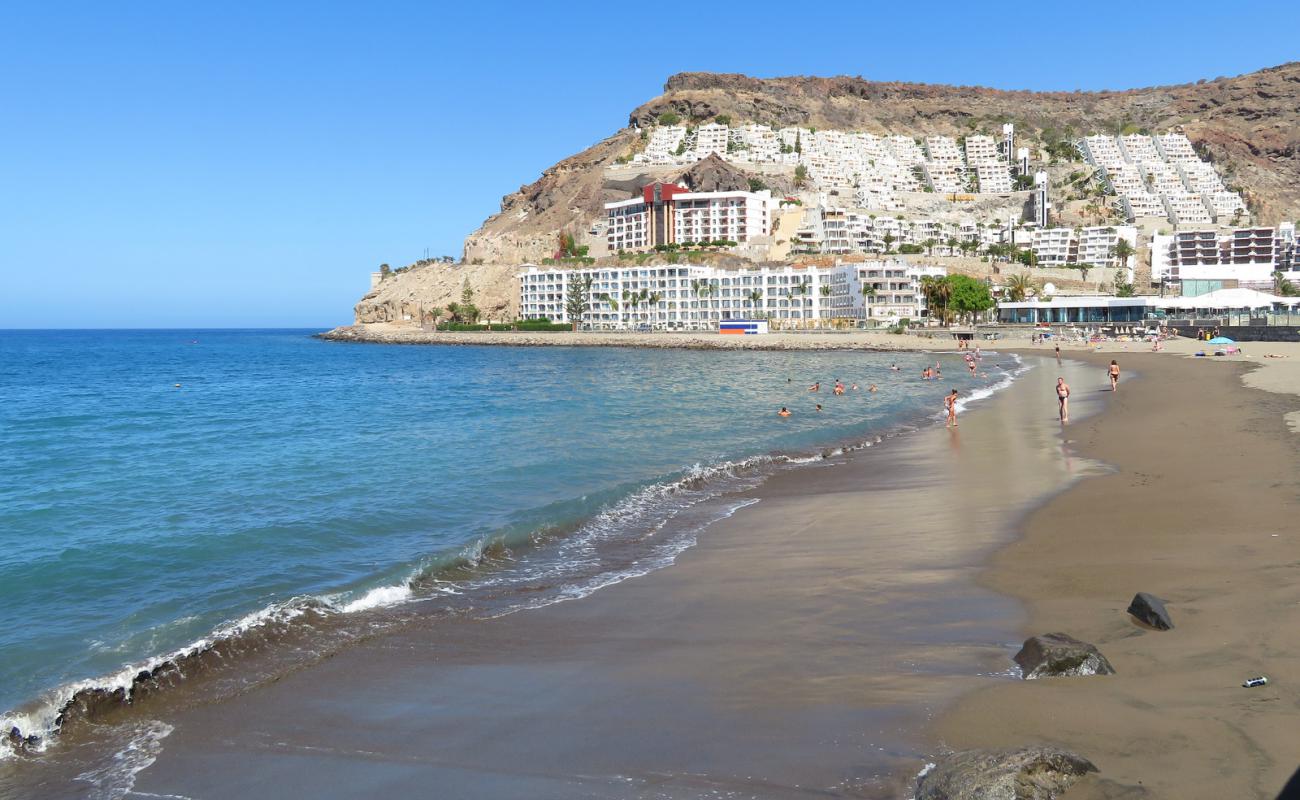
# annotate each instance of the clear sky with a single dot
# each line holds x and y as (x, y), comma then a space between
(248, 164)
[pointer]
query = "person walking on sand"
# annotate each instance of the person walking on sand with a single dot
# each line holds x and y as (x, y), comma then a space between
(1063, 399)
(950, 405)
(1113, 372)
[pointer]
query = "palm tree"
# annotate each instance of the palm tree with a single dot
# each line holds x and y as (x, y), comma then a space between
(755, 297)
(1282, 286)
(936, 291)
(826, 290)
(929, 244)
(1018, 287)
(1122, 251)
(888, 239)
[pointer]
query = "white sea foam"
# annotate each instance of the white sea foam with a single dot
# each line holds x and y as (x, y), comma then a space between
(115, 779)
(42, 720)
(380, 597)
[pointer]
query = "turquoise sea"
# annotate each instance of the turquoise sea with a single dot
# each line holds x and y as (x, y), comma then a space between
(159, 486)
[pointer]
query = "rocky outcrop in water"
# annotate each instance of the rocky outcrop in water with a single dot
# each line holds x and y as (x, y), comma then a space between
(1030, 773)
(1150, 609)
(1055, 655)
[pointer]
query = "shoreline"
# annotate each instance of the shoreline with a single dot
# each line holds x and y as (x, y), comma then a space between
(728, 555)
(1218, 460)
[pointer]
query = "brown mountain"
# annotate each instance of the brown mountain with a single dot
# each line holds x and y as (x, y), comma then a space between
(1248, 125)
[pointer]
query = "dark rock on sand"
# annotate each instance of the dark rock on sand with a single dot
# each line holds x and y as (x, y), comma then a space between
(1058, 655)
(1150, 609)
(1030, 773)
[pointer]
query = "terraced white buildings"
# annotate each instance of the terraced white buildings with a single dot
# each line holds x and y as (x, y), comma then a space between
(871, 169)
(682, 297)
(1162, 176)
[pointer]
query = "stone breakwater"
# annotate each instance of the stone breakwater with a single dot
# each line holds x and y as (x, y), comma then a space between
(391, 334)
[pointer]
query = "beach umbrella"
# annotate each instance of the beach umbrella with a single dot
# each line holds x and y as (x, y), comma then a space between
(1221, 340)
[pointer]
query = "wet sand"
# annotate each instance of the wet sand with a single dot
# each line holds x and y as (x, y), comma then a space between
(1202, 513)
(798, 649)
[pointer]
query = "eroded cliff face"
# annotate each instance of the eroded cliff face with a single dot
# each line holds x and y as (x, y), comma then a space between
(410, 295)
(1248, 125)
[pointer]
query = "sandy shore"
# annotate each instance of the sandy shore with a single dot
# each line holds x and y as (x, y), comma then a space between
(1202, 512)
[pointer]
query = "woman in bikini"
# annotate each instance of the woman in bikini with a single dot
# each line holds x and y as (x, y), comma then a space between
(1113, 372)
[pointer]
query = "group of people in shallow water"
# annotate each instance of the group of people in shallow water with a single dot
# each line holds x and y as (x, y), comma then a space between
(950, 400)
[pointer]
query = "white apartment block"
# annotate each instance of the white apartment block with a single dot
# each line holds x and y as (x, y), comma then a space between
(982, 149)
(627, 225)
(677, 297)
(667, 213)
(993, 178)
(1095, 246)
(1248, 256)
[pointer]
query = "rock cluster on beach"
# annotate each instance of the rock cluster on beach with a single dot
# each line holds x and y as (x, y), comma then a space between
(1030, 773)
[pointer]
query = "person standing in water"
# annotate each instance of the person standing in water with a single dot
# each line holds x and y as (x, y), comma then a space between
(1058, 352)
(1113, 373)
(1063, 399)
(950, 405)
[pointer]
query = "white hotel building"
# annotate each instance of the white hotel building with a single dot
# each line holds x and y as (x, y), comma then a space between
(690, 297)
(667, 213)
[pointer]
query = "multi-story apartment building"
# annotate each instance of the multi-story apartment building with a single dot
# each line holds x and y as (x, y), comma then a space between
(1206, 260)
(666, 213)
(1055, 247)
(1095, 246)
(668, 297)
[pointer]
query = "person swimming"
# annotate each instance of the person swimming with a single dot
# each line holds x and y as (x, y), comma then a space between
(784, 412)
(872, 389)
(819, 406)
(816, 387)
(894, 367)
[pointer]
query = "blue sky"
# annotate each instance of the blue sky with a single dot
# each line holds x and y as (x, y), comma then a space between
(248, 164)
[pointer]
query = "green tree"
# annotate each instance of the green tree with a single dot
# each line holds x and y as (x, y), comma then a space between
(755, 297)
(466, 293)
(967, 296)
(578, 299)
(384, 271)
(669, 118)
(1123, 288)
(756, 185)
(800, 176)
(722, 119)
(889, 242)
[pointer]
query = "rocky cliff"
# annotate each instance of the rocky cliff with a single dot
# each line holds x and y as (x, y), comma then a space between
(1246, 124)
(409, 294)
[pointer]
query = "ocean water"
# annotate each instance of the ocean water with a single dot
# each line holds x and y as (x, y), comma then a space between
(157, 486)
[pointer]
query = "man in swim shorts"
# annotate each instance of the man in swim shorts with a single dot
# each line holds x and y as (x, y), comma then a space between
(1063, 399)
